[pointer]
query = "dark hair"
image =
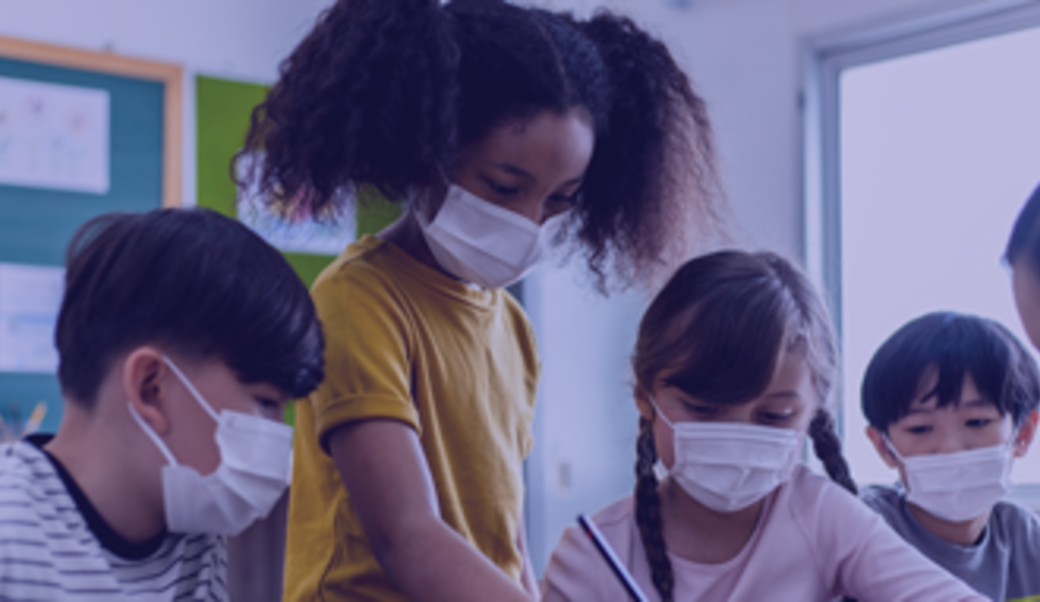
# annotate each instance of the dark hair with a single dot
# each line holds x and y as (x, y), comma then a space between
(1025, 235)
(718, 327)
(954, 345)
(385, 92)
(190, 279)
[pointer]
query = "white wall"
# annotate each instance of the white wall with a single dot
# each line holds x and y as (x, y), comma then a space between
(745, 59)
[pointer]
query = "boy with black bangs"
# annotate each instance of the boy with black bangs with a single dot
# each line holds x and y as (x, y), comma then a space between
(951, 400)
(181, 337)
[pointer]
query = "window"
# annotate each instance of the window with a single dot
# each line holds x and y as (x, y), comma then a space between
(924, 146)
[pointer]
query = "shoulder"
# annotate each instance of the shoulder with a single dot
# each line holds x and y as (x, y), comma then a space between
(364, 267)
(811, 491)
(28, 481)
(43, 538)
(1012, 522)
(883, 499)
(821, 508)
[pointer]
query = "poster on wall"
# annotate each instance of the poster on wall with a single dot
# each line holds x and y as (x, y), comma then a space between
(54, 136)
(302, 234)
(30, 297)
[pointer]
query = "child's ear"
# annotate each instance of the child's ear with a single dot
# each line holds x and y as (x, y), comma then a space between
(646, 409)
(1025, 434)
(881, 445)
(143, 378)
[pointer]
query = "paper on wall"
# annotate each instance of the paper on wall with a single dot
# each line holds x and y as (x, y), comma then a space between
(54, 136)
(29, 300)
(301, 235)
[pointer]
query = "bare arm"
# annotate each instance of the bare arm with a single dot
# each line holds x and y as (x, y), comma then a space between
(383, 467)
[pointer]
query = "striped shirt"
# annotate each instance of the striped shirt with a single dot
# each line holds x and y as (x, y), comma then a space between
(54, 545)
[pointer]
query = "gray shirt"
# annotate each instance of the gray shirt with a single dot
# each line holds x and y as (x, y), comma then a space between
(1004, 564)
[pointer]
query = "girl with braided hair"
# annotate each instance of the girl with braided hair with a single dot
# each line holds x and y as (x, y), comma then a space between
(734, 361)
(497, 129)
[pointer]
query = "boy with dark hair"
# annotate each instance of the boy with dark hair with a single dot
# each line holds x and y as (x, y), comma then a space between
(181, 336)
(951, 399)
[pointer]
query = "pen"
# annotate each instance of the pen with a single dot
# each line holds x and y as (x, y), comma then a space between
(608, 554)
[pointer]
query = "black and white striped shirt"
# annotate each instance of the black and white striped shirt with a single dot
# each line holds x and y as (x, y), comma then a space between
(54, 545)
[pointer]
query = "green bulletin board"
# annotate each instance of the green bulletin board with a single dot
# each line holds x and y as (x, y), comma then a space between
(223, 108)
(36, 223)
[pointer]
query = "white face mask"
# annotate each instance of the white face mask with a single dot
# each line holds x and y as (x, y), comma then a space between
(485, 244)
(255, 467)
(958, 486)
(728, 466)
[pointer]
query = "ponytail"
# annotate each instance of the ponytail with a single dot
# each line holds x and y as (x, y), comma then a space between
(648, 513)
(367, 97)
(828, 449)
(653, 175)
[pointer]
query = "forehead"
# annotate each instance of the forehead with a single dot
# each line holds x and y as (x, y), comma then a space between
(793, 375)
(546, 145)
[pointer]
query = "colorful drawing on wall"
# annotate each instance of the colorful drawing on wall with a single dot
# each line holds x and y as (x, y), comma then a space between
(296, 234)
(30, 296)
(54, 136)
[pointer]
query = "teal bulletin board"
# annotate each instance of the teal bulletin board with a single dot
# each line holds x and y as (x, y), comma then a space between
(36, 223)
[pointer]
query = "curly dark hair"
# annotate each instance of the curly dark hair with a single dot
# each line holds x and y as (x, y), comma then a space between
(386, 92)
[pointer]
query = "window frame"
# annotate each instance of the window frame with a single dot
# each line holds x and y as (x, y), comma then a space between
(824, 58)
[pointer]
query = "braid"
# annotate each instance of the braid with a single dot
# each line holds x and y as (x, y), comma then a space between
(828, 449)
(648, 513)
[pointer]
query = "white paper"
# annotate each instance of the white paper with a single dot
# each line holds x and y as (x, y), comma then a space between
(29, 300)
(304, 235)
(54, 136)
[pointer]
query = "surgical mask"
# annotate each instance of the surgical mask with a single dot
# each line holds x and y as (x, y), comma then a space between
(728, 466)
(482, 243)
(958, 486)
(255, 467)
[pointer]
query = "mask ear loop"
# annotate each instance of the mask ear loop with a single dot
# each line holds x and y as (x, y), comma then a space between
(892, 450)
(151, 435)
(191, 389)
(657, 408)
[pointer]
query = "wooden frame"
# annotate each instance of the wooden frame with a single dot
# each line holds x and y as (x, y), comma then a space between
(171, 76)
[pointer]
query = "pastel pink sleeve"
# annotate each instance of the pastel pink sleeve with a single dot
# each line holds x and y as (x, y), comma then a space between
(870, 561)
(577, 573)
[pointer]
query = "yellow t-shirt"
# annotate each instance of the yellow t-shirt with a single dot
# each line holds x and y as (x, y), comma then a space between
(406, 342)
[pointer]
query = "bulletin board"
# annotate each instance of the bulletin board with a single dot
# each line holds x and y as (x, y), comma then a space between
(142, 171)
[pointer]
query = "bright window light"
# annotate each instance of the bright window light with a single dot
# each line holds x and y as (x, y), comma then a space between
(939, 150)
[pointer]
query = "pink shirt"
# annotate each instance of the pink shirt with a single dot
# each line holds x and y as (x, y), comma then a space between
(815, 542)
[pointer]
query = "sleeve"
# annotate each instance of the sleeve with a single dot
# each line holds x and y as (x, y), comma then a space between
(532, 369)
(367, 351)
(870, 561)
(577, 573)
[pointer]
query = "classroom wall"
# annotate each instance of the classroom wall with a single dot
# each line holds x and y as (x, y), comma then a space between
(233, 39)
(745, 59)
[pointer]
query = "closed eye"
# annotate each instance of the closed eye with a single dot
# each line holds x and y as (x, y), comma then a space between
(702, 410)
(978, 422)
(501, 189)
(777, 416)
(920, 429)
(268, 404)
